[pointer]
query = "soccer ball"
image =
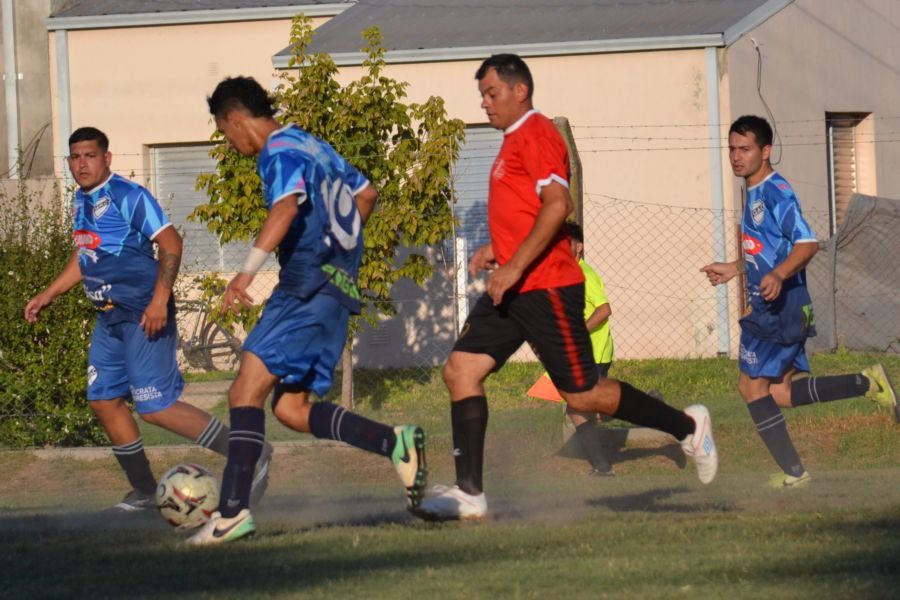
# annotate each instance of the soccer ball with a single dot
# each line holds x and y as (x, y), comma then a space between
(187, 495)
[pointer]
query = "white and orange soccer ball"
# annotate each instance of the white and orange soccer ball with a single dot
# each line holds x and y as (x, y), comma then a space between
(187, 495)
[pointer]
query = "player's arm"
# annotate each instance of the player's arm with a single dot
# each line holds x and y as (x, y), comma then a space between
(275, 227)
(600, 315)
(796, 261)
(723, 272)
(169, 250)
(365, 202)
(68, 278)
(555, 207)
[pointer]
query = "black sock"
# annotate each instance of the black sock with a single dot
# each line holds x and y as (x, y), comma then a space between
(772, 429)
(214, 436)
(469, 418)
(333, 422)
(637, 407)
(586, 435)
(133, 461)
(245, 443)
(826, 389)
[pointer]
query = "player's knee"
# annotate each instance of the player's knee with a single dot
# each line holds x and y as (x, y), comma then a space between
(153, 418)
(292, 413)
(781, 395)
(106, 407)
(451, 373)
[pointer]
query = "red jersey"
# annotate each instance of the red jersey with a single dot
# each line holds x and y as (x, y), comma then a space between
(532, 155)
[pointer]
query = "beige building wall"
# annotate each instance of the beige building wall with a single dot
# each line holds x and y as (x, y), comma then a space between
(823, 56)
(640, 122)
(148, 85)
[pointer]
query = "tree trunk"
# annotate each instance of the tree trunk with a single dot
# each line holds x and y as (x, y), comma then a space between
(347, 377)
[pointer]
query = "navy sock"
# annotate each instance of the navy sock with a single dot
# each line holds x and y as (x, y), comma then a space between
(133, 461)
(826, 389)
(469, 418)
(637, 407)
(332, 422)
(245, 444)
(772, 429)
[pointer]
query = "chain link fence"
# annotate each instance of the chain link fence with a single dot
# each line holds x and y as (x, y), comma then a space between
(648, 255)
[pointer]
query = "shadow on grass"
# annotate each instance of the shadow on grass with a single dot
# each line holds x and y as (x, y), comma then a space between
(655, 501)
(614, 443)
(94, 555)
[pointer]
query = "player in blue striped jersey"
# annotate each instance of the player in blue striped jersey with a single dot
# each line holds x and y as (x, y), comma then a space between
(777, 245)
(317, 204)
(132, 354)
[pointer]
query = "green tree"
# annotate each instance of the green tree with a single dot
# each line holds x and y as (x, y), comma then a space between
(43, 367)
(405, 149)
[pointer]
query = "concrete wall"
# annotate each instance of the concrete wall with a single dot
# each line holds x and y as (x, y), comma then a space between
(640, 120)
(825, 56)
(32, 61)
(148, 85)
(640, 124)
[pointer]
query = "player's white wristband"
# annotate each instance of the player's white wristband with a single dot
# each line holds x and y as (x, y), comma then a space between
(254, 261)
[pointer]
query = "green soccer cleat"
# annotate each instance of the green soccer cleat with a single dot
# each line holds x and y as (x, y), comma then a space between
(783, 481)
(880, 389)
(409, 460)
(220, 529)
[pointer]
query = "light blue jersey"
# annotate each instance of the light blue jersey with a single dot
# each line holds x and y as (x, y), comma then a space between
(114, 224)
(772, 224)
(323, 247)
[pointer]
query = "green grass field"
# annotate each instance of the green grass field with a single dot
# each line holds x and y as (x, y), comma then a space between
(333, 524)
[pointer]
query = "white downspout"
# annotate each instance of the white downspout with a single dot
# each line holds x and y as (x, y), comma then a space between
(64, 108)
(720, 250)
(11, 85)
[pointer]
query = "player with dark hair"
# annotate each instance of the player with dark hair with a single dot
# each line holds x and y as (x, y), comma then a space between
(535, 293)
(318, 203)
(133, 346)
(778, 244)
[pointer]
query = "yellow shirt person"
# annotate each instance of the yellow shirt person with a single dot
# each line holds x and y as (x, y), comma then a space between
(594, 300)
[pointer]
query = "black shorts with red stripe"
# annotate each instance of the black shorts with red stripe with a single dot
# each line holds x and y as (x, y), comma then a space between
(550, 320)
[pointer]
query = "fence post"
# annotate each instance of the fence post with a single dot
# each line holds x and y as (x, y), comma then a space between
(460, 255)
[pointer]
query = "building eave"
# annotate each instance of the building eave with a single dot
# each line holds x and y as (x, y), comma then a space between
(280, 61)
(754, 20)
(190, 17)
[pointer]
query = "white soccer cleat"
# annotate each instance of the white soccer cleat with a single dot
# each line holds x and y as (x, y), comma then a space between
(452, 504)
(221, 529)
(700, 445)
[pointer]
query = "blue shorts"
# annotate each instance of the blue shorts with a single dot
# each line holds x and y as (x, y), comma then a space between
(300, 341)
(761, 358)
(122, 362)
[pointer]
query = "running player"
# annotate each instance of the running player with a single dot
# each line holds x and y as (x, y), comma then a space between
(318, 203)
(133, 346)
(778, 244)
(535, 293)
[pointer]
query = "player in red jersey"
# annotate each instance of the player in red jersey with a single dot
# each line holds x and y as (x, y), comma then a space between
(535, 294)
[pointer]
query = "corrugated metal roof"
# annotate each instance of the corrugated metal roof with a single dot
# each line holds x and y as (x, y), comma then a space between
(409, 26)
(86, 8)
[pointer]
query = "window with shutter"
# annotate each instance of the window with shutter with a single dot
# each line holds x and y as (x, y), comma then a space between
(844, 157)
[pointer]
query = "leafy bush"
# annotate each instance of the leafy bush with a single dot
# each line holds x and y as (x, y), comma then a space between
(43, 367)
